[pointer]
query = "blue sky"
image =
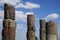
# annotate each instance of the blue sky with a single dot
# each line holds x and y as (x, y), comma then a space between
(47, 9)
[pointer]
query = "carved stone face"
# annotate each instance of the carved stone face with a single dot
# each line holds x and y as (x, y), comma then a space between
(42, 24)
(12, 13)
(9, 12)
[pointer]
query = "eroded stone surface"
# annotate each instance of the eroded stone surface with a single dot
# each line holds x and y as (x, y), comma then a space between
(9, 12)
(51, 31)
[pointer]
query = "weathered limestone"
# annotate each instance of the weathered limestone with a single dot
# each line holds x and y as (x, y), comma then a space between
(42, 29)
(31, 27)
(9, 25)
(51, 31)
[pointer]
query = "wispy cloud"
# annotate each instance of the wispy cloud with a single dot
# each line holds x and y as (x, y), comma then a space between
(1, 14)
(12, 2)
(52, 16)
(20, 16)
(28, 5)
(20, 26)
(27, 13)
(19, 4)
(1, 17)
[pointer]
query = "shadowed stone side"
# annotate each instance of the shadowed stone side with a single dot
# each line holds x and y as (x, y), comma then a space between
(30, 27)
(42, 30)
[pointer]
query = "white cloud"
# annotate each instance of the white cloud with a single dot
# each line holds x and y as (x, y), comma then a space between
(20, 26)
(28, 5)
(20, 16)
(27, 13)
(1, 14)
(12, 2)
(52, 16)
(18, 4)
(1, 17)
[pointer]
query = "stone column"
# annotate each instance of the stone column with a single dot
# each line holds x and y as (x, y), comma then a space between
(42, 29)
(51, 31)
(30, 27)
(9, 25)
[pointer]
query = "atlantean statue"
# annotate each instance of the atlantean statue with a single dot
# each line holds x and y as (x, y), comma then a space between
(30, 27)
(42, 29)
(9, 25)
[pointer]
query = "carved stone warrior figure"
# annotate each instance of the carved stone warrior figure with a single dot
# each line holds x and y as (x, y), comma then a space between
(9, 25)
(9, 12)
(31, 27)
(42, 29)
